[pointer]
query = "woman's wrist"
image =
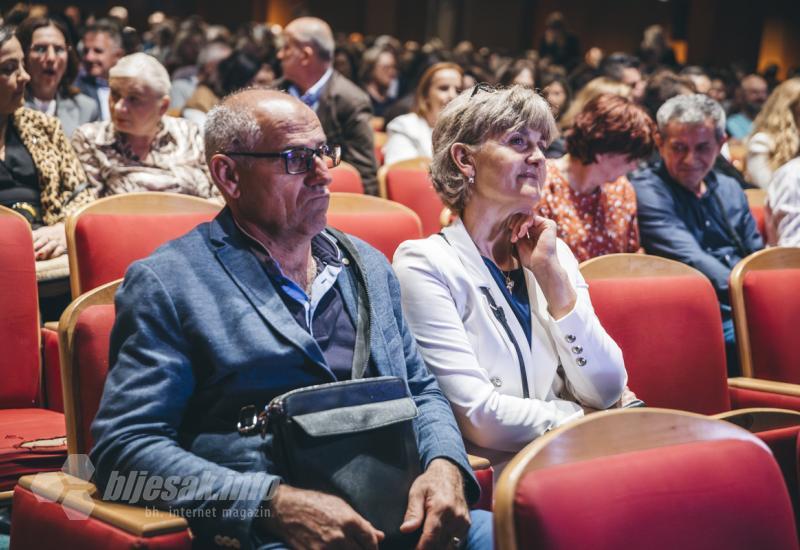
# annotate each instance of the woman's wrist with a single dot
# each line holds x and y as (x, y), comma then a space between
(554, 282)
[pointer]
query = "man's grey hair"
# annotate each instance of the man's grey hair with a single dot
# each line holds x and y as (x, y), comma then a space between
(213, 52)
(692, 109)
(472, 120)
(231, 127)
(316, 33)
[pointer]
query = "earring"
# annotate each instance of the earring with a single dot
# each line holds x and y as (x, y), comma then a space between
(470, 180)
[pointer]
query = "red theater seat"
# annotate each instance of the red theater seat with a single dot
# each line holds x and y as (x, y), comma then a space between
(765, 294)
(408, 182)
(648, 478)
(346, 179)
(31, 438)
(106, 236)
(383, 224)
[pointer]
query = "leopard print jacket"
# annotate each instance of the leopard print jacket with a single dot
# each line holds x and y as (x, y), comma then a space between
(61, 177)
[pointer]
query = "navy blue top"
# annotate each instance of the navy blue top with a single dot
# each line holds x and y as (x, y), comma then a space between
(711, 233)
(331, 325)
(517, 298)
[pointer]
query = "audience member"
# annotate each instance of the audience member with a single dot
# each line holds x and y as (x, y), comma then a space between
(283, 278)
(586, 192)
(751, 96)
(558, 45)
(624, 68)
(379, 78)
(655, 51)
(783, 202)
(663, 85)
(556, 91)
(52, 63)
(409, 136)
(40, 176)
(342, 107)
(718, 91)
(700, 79)
(689, 211)
(141, 149)
(204, 93)
(520, 71)
(775, 137)
(467, 292)
(184, 87)
(102, 48)
(596, 87)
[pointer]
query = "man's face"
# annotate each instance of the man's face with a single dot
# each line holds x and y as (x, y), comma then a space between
(277, 202)
(100, 53)
(755, 92)
(291, 55)
(633, 78)
(689, 151)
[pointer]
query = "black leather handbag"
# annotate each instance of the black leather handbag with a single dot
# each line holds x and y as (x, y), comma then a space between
(353, 439)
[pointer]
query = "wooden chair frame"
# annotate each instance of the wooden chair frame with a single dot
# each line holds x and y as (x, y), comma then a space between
(130, 203)
(605, 433)
(422, 163)
(769, 258)
(627, 266)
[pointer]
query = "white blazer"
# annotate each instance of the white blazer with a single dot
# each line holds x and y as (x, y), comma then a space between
(474, 357)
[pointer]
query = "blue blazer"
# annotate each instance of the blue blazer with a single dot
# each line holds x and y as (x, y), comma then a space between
(201, 332)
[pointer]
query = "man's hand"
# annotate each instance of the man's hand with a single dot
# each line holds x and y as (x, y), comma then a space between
(436, 502)
(308, 519)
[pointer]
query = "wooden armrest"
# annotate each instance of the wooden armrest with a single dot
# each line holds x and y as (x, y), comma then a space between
(759, 384)
(51, 325)
(479, 463)
(761, 419)
(80, 495)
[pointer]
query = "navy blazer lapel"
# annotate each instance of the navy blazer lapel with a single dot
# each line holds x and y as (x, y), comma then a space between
(248, 274)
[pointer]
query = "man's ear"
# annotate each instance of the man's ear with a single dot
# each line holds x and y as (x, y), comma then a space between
(164, 107)
(224, 173)
(308, 54)
(463, 157)
(659, 139)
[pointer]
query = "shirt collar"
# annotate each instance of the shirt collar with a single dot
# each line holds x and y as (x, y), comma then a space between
(312, 95)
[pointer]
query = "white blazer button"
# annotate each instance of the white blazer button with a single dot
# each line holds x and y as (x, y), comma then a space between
(581, 361)
(570, 338)
(497, 381)
(577, 350)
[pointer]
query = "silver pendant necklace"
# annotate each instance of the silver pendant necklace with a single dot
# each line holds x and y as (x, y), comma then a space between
(509, 280)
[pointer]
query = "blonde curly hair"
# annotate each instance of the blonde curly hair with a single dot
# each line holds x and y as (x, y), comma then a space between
(776, 119)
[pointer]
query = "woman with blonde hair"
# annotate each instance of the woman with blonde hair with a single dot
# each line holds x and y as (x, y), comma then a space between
(775, 138)
(594, 88)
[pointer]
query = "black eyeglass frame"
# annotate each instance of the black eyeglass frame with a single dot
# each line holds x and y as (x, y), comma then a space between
(482, 87)
(333, 152)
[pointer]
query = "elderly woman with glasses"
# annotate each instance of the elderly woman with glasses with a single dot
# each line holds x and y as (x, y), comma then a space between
(140, 148)
(496, 302)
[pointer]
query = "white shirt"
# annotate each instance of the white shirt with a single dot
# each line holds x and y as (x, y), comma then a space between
(311, 97)
(409, 136)
(783, 198)
(473, 355)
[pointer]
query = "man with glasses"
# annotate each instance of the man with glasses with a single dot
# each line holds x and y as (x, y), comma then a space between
(343, 108)
(260, 301)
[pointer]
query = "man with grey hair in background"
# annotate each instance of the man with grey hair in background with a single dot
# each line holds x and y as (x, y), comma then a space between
(343, 108)
(690, 212)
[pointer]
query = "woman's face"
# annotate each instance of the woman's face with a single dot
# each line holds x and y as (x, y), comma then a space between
(614, 165)
(445, 86)
(47, 58)
(135, 108)
(510, 169)
(556, 96)
(13, 77)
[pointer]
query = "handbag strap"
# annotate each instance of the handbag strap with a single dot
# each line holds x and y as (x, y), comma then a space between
(361, 349)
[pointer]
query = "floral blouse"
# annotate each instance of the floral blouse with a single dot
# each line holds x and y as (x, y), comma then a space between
(593, 224)
(175, 163)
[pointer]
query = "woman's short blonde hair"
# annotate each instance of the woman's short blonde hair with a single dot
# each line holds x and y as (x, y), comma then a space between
(144, 68)
(776, 119)
(594, 88)
(475, 116)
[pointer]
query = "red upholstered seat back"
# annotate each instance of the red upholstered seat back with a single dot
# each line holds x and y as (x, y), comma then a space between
(90, 365)
(670, 333)
(106, 244)
(383, 230)
(346, 180)
(772, 304)
(19, 316)
(413, 188)
(712, 494)
(757, 211)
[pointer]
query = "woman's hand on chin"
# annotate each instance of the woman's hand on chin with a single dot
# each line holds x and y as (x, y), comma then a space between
(535, 238)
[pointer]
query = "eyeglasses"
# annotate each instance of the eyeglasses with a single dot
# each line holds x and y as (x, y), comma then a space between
(482, 87)
(298, 160)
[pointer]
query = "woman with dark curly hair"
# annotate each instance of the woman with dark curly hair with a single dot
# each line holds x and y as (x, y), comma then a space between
(586, 192)
(52, 63)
